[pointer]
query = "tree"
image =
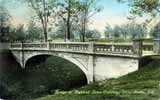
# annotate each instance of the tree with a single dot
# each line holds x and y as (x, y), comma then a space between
(155, 32)
(4, 16)
(145, 6)
(140, 7)
(68, 12)
(93, 34)
(34, 32)
(124, 31)
(4, 23)
(76, 11)
(108, 31)
(43, 10)
(116, 32)
(60, 32)
(12, 34)
(135, 30)
(88, 9)
(17, 33)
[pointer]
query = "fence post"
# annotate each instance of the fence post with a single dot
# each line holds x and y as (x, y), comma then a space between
(137, 47)
(156, 46)
(91, 47)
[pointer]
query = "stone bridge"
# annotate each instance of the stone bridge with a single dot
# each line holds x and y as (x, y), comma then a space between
(98, 61)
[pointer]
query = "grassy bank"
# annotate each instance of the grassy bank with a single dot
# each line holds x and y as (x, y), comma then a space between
(141, 85)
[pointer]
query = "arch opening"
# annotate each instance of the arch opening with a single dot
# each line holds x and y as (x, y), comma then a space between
(54, 73)
(145, 60)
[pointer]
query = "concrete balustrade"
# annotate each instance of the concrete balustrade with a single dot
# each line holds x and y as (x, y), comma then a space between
(147, 47)
(79, 47)
(137, 48)
(122, 48)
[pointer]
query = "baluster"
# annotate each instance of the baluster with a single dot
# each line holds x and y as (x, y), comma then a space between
(74, 47)
(127, 48)
(91, 47)
(87, 47)
(109, 48)
(80, 47)
(54, 46)
(113, 48)
(102, 49)
(118, 48)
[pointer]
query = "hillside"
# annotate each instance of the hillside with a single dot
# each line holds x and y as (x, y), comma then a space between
(141, 85)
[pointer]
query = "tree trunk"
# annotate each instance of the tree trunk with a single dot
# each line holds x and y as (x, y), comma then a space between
(84, 22)
(45, 35)
(45, 22)
(84, 27)
(68, 22)
(68, 27)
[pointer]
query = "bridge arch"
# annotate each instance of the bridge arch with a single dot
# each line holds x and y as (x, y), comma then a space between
(72, 60)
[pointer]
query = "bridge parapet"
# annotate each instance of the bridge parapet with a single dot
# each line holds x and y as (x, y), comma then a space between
(83, 47)
(30, 46)
(136, 49)
(120, 48)
(147, 47)
(16, 45)
(123, 49)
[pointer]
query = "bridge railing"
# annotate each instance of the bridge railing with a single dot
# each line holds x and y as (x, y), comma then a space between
(28, 45)
(148, 49)
(120, 48)
(69, 46)
(137, 48)
(35, 45)
(16, 45)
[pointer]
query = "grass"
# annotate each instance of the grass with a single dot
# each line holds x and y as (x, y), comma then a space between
(106, 40)
(141, 85)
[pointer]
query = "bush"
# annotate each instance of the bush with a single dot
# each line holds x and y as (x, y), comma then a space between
(111, 40)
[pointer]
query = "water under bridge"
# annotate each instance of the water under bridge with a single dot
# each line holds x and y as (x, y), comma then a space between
(98, 61)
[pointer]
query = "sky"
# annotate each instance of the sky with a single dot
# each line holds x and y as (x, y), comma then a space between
(113, 13)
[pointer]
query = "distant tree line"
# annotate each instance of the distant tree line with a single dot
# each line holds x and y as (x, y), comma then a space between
(69, 19)
(125, 31)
